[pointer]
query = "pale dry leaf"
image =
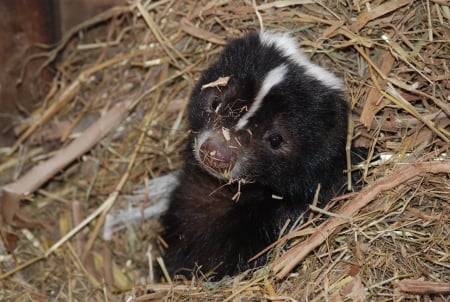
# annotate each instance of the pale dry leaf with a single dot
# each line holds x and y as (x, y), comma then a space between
(220, 82)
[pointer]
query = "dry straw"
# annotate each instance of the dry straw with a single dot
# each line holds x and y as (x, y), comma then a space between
(132, 68)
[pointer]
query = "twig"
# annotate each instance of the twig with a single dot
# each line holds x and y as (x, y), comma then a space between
(260, 20)
(420, 287)
(283, 266)
(40, 174)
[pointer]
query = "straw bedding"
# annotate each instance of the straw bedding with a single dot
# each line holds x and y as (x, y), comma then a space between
(114, 117)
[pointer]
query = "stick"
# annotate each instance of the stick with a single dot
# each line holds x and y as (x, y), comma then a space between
(283, 266)
(420, 287)
(40, 174)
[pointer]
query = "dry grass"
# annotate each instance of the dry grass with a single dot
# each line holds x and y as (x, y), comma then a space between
(391, 242)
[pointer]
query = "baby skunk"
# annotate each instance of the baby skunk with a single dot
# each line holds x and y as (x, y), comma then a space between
(268, 126)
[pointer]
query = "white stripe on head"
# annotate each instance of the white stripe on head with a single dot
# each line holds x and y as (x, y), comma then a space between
(288, 47)
(274, 77)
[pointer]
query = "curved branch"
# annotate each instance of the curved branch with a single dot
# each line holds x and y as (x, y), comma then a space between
(284, 265)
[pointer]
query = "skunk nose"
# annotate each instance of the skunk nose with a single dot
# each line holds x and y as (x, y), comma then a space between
(217, 155)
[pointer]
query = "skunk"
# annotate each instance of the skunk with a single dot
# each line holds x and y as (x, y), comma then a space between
(267, 127)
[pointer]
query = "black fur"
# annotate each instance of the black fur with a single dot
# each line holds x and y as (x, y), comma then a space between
(204, 227)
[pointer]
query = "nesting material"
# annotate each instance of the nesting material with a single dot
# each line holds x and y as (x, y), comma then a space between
(388, 241)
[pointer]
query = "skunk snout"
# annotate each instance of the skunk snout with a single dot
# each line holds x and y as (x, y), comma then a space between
(218, 155)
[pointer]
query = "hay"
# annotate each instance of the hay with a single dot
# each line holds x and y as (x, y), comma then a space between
(391, 241)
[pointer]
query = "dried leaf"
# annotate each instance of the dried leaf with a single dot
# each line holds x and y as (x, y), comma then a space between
(220, 82)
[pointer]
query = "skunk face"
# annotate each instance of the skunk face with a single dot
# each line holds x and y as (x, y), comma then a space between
(264, 113)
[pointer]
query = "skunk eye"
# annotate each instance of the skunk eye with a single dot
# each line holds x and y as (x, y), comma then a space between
(275, 140)
(215, 104)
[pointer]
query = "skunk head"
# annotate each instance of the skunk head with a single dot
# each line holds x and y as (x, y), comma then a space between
(264, 113)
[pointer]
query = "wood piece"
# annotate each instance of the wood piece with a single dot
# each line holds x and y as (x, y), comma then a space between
(284, 265)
